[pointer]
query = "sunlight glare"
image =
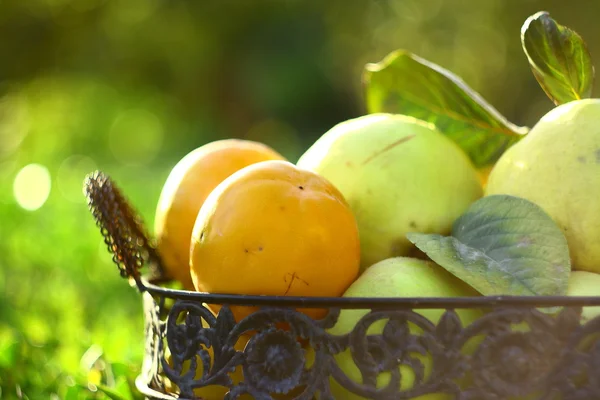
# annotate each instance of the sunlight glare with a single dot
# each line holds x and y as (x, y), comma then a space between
(520, 164)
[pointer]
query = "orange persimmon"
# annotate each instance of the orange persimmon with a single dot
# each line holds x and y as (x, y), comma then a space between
(274, 229)
(188, 185)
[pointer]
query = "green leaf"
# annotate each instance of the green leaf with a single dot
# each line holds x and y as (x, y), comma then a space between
(125, 379)
(73, 393)
(503, 245)
(558, 57)
(122, 386)
(403, 83)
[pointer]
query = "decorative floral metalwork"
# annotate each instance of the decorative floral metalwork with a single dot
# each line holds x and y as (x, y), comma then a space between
(517, 353)
(519, 348)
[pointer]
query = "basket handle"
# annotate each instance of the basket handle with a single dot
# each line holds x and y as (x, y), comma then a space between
(122, 229)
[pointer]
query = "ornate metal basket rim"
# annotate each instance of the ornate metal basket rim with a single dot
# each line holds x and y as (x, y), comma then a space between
(381, 303)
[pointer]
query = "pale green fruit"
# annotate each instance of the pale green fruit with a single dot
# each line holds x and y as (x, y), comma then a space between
(557, 166)
(399, 277)
(399, 175)
(583, 283)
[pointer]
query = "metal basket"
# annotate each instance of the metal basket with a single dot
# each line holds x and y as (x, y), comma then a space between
(515, 350)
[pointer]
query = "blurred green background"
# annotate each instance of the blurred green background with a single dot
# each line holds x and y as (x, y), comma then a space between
(130, 87)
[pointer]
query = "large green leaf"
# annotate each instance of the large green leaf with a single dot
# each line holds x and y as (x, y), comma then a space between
(503, 245)
(404, 83)
(558, 57)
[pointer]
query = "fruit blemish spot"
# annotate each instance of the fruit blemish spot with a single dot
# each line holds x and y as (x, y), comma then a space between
(289, 278)
(301, 187)
(388, 147)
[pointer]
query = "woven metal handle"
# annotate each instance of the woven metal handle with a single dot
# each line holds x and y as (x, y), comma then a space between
(123, 231)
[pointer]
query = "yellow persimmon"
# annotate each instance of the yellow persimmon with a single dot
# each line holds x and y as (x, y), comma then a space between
(185, 190)
(275, 229)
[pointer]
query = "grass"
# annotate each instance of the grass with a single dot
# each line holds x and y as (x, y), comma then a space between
(70, 326)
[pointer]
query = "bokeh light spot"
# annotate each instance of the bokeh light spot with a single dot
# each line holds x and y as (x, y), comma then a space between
(14, 123)
(135, 137)
(31, 186)
(71, 174)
